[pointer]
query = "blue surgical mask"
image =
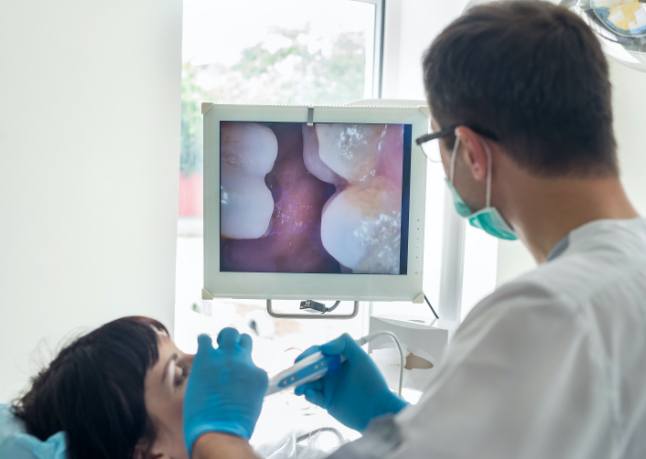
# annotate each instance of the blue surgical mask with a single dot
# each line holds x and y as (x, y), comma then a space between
(487, 219)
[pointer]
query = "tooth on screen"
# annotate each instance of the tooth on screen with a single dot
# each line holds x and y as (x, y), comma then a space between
(312, 160)
(248, 146)
(351, 150)
(361, 227)
(248, 152)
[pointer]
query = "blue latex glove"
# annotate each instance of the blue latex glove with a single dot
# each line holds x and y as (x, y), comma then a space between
(225, 390)
(355, 393)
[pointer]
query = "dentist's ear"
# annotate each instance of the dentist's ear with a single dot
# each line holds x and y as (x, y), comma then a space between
(474, 152)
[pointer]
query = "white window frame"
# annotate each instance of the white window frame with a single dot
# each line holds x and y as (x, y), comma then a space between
(468, 264)
(378, 46)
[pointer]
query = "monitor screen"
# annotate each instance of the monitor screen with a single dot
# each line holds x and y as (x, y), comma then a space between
(324, 198)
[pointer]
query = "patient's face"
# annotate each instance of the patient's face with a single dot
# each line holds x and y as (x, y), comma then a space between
(164, 393)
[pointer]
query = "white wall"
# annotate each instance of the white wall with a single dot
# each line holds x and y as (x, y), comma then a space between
(89, 142)
(411, 25)
(629, 101)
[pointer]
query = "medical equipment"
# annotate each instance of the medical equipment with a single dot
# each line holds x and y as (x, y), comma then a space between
(313, 202)
(309, 369)
(620, 26)
(316, 365)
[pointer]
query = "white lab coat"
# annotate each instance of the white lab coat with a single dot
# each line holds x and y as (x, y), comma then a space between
(551, 365)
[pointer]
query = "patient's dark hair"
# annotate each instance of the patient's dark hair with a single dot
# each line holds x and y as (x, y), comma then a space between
(94, 391)
(533, 74)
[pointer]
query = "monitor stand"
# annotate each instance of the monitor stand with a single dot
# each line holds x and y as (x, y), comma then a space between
(313, 313)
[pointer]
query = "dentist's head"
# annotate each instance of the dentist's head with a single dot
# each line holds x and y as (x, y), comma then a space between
(522, 90)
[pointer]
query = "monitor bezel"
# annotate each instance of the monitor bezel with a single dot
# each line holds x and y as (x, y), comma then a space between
(324, 286)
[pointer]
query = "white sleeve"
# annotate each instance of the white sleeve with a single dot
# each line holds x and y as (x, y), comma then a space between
(522, 378)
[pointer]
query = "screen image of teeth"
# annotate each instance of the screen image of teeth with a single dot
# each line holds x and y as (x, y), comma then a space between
(327, 198)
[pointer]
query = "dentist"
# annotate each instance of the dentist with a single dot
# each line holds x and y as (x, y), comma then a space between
(552, 364)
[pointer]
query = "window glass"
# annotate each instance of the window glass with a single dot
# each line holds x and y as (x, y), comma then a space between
(315, 52)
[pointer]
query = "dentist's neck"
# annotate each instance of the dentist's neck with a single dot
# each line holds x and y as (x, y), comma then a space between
(543, 211)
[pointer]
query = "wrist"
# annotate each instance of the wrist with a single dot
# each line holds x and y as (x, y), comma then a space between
(390, 405)
(208, 442)
(193, 435)
(395, 404)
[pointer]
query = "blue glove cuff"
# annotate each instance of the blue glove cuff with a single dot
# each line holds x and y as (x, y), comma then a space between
(389, 405)
(221, 427)
(397, 404)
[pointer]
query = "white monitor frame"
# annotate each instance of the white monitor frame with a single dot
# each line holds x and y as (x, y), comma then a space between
(298, 286)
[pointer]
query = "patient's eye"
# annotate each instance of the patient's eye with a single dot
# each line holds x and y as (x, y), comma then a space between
(180, 375)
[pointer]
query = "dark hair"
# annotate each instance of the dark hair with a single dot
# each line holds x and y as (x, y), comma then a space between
(94, 391)
(534, 74)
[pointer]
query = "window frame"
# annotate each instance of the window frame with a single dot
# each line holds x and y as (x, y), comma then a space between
(378, 47)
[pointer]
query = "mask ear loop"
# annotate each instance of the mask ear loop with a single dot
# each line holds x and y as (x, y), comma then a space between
(453, 155)
(489, 176)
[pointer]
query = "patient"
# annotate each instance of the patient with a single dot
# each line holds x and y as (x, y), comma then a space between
(116, 392)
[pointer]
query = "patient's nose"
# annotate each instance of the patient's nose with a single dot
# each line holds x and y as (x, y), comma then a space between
(187, 361)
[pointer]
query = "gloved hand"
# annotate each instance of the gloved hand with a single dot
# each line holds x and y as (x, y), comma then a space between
(355, 393)
(225, 390)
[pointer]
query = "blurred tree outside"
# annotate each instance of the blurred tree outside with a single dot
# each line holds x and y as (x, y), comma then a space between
(290, 67)
(191, 119)
(297, 72)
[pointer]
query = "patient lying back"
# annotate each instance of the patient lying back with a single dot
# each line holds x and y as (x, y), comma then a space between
(116, 392)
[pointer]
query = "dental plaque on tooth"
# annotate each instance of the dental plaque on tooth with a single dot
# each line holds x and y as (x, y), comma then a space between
(248, 151)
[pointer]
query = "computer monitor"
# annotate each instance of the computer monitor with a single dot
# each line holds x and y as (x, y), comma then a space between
(313, 202)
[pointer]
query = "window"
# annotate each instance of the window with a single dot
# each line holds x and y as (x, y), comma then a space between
(281, 52)
(411, 26)
(307, 52)
(315, 52)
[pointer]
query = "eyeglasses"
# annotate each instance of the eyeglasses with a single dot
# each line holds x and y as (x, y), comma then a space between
(430, 145)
